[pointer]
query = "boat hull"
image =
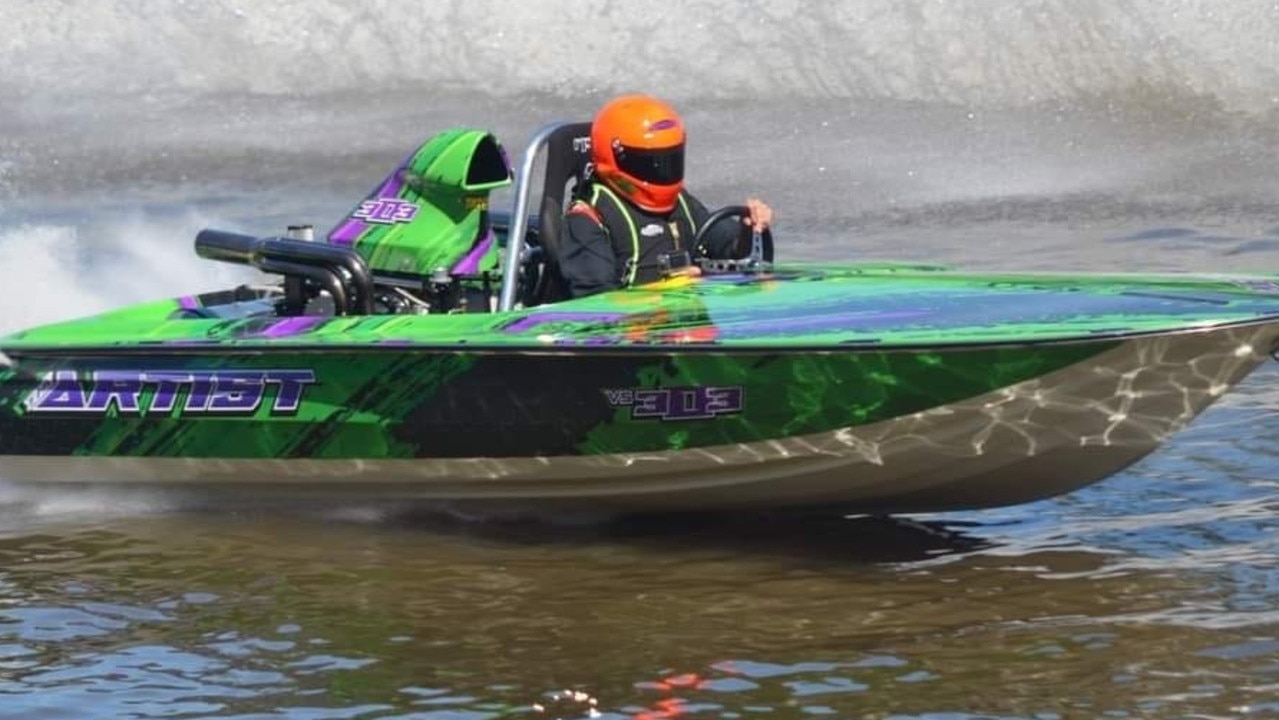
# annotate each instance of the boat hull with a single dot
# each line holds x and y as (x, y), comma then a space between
(860, 430)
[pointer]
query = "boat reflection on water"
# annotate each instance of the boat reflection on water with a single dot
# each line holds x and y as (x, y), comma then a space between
(259, 607)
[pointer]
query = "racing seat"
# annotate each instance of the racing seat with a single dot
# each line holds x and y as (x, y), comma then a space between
(568, 150)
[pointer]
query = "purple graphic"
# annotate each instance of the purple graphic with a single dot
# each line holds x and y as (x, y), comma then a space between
(292, 326)
(206, 392)
(386, 211)
(1268, 286)
(470, 265)
(353, 227)
(693, 402)
(826, 321)
(529, 322)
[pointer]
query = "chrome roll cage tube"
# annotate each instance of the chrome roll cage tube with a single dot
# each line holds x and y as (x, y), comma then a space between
(515, 249)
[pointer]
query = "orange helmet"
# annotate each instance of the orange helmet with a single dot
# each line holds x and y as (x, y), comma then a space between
(637, 146)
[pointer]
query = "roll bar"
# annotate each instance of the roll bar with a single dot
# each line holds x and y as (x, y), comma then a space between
(520, 215)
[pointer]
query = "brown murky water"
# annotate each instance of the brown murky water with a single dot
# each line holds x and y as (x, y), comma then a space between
(1150, 595)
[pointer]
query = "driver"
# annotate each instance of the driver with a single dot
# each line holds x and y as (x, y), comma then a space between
(632, 219)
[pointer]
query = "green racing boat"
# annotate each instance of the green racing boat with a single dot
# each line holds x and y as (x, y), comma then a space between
(425, 348)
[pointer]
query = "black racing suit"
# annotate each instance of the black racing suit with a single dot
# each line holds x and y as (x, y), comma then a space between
(611, 243)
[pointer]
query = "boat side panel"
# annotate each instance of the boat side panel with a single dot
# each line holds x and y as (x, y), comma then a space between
(441, 405)
(1038, 438)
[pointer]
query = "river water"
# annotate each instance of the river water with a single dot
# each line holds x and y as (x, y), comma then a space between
(1047, 135)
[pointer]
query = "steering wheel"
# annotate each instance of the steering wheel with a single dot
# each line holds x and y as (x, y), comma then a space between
(764, 240)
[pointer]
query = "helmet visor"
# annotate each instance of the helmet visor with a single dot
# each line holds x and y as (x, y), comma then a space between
(663, 166)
